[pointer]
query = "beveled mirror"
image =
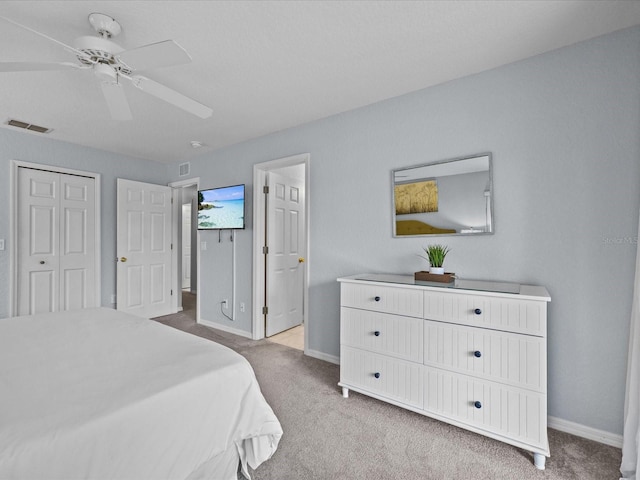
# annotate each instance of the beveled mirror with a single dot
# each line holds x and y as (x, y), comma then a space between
(449, 197)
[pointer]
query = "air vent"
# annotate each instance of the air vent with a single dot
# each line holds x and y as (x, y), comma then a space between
(185, 169)
(28, 126)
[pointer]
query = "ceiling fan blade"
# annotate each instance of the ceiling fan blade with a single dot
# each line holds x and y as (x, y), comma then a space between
(36, 66)
(171, 96)
(155, 55)
(116, 101)
(62, 44)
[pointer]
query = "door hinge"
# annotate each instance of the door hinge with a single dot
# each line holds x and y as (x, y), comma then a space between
(265, 189)
(265, 310)
(172, 292)
(172, 246)
(265, 250)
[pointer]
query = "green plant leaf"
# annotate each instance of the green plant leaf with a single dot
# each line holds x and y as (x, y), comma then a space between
(436, 254)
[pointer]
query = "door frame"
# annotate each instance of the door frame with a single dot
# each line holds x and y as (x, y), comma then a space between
(260, 171)
(13, 227)
(176, 240)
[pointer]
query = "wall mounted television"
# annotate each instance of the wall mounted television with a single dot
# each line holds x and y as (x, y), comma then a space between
(221, 208)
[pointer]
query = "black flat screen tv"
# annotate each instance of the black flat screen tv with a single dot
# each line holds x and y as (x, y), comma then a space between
(221, 208)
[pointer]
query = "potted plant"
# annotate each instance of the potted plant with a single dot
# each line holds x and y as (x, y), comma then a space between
(435, 256)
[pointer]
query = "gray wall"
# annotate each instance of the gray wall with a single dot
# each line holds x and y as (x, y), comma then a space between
(215, 267)
(563, 129)
(40, 149)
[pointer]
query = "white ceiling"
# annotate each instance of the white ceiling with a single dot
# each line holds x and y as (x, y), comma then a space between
(264, 66)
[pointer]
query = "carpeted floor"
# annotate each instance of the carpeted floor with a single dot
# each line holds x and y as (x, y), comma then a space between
(329, 437)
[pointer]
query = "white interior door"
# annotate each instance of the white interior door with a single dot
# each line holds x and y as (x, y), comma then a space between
(286, 253)
(186, 245)
(144, 249)
(56, 242)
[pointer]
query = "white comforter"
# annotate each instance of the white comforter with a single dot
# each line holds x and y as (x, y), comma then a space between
(97, 394)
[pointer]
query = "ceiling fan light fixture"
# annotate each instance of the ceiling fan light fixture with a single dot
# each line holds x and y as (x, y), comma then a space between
(196, 144)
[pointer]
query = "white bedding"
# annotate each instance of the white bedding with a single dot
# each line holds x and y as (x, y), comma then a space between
(99, 394)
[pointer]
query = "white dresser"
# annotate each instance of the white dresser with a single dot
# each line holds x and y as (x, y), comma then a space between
(473, 353)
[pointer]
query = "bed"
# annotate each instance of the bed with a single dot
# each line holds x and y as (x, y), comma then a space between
(101, 394)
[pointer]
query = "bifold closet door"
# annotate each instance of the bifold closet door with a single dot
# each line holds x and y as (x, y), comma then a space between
(56, 242)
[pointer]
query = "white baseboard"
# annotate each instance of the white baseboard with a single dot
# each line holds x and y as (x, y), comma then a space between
(323, 356)
(224, 328)
(583, 431)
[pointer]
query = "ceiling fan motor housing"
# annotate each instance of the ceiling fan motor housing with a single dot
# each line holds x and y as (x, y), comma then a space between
(100, 51)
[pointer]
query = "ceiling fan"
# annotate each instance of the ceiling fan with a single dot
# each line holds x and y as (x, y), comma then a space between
(111, 63)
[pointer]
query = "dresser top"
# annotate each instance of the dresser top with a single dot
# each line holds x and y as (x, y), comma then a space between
(534, 292)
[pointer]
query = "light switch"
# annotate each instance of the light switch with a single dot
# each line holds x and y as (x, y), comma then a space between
(203, 245)
(1, 243)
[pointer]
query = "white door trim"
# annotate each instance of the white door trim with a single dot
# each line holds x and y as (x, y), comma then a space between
(13, 226)
(176, 239)
(259, 176)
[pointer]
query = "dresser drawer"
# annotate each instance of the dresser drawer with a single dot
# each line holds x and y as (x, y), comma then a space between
(381, 375)
(498, 313)
(516, 359)
(394, 335)
(513, 412)
(380, 298)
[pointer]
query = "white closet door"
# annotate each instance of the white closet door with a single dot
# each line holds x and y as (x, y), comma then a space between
(77, 242)
(56, 247)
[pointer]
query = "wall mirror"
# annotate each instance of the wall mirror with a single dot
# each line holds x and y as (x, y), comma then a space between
(450, 197)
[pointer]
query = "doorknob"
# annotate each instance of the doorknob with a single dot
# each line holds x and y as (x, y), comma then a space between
(123, 259)
(41, 262)
(300, 260)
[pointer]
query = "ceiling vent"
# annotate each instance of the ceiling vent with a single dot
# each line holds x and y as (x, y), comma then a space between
(185, 169)
(28, 126)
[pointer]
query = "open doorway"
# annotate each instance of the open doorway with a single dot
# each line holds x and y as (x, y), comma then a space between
(281, 253)
(189, 268)
(185, 241)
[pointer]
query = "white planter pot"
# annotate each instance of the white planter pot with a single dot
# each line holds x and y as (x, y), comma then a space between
(436, 270)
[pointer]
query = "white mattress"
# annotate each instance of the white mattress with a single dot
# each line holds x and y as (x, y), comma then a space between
(97, 394)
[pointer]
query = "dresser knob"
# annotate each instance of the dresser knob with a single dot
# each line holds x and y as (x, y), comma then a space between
(377, 333)
(477, 404)
(377, 374)
(477, 354)
(377, 299)
(477, 311)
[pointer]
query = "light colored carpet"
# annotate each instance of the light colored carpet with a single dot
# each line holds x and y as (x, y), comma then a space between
(329, 437)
